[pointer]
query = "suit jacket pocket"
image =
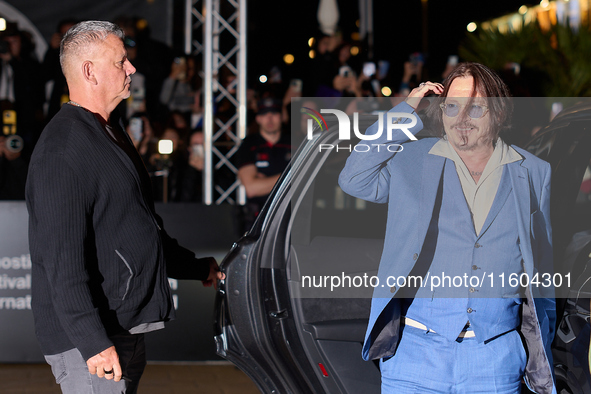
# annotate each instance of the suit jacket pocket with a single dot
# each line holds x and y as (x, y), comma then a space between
(125, 275)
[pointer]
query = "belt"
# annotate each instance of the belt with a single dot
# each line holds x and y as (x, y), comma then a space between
(413, 323)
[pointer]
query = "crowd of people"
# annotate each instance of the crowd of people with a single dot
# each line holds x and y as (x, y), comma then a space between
(166, 102)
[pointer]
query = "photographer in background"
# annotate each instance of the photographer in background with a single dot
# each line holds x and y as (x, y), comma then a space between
(346, 83)
(21, 83)
(13, 168)
(412, 75)
(182, 85)
(192, 182)
(52, 70)
(141, 132)
(152, 60)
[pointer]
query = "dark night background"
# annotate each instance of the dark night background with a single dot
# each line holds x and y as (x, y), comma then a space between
(279, 27)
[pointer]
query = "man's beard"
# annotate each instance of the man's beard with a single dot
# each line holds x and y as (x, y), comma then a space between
(463, 137)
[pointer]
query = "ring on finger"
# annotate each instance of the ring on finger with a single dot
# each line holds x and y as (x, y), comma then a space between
(422, 84)
(108, 372)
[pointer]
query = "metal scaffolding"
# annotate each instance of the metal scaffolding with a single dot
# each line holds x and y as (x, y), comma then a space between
(215, 32)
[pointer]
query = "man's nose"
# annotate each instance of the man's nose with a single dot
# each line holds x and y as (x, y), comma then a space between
(130, 68)
(463, 115)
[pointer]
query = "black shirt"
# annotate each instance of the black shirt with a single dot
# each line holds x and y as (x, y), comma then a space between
(268, 159)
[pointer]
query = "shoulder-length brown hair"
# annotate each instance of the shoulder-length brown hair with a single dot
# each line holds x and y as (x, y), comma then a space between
(486, 83)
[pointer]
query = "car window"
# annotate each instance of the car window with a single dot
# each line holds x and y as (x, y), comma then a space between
(337, 214)
(567, 147)
(333, 233)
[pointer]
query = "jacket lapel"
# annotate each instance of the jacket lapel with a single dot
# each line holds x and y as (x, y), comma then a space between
(500, 198)
(520, 181)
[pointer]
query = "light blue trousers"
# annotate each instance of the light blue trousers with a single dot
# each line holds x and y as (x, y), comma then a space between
(426, 362)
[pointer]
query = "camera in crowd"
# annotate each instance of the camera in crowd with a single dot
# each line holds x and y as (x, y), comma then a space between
(416, 58)
(14, 143)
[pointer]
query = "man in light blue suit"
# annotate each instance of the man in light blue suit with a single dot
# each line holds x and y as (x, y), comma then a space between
(463, 206)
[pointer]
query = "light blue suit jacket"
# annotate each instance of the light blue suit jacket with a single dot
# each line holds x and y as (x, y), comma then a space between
(408, 181)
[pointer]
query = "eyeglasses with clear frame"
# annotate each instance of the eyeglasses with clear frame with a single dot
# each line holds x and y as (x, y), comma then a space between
(475, 111)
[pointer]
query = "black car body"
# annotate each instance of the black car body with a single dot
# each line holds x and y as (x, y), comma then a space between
(291, 342)
(566, 144)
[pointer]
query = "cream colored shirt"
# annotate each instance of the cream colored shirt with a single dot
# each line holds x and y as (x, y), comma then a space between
(481, 195)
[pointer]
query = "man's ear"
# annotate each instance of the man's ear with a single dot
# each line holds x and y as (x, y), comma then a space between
(88, 72)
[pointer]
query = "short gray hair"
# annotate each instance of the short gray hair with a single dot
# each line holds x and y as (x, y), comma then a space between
(84, 34)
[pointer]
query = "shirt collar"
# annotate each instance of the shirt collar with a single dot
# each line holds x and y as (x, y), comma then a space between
(502, 154)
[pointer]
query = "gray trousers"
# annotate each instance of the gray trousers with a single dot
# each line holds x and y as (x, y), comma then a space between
(71, 372)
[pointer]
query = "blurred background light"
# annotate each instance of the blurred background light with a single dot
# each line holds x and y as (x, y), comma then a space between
(288, 58)
(165, 147)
